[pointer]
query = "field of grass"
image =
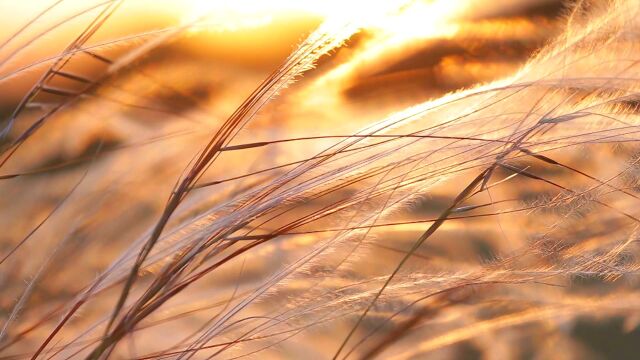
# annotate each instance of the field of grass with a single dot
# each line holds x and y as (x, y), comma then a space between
(410, 179)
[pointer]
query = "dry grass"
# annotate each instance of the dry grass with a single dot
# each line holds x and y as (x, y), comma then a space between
(340, 209)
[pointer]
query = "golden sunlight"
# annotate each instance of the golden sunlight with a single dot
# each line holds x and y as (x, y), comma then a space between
(240, 13)
(319, 179)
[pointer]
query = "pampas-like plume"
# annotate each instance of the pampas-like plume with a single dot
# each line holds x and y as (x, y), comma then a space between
(499, 205)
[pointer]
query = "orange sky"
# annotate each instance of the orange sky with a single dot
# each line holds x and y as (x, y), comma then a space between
(263, 43)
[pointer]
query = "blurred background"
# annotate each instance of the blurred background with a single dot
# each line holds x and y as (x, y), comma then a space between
(102, 166)
(433, 48)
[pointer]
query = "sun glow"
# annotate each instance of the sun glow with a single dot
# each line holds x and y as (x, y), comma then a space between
(390, 25)
(394, 33)
(416, 21)
(240, 14)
